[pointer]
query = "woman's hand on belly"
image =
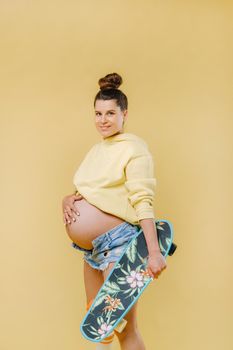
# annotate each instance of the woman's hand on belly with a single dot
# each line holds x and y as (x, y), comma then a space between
(91, 223)
(69, 209)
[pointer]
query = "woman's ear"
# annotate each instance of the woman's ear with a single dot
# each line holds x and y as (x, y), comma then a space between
(125, 115)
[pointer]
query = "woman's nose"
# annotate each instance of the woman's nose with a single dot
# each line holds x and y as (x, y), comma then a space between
(103, 119)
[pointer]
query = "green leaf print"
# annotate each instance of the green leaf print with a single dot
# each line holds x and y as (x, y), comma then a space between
(132, 292)
(99, 300)
(162, 249)
(131, 252)
(121, 307)
(128, 268)
(143, 260)
(100, 320)
(124, 272)
(118, 266)
(94, 333)
(160, 227)
(121, 280)
(110, 288)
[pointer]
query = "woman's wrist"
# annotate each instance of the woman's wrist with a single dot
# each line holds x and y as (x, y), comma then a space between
(154, 252)
(150, 232)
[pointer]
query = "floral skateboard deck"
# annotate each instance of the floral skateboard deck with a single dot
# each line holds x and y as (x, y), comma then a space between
(124, 285)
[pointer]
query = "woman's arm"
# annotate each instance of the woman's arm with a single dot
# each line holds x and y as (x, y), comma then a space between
(156, 261)
(140, 183)
(149, 229)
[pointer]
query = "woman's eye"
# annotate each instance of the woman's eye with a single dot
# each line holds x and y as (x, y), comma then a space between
(97, 114)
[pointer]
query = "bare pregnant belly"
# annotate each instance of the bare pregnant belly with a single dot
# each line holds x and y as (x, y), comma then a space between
(91, 223)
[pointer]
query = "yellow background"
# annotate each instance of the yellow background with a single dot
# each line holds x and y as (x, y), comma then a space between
(175, 58)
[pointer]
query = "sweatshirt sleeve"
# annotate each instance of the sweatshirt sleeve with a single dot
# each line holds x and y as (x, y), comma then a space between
(140, 183)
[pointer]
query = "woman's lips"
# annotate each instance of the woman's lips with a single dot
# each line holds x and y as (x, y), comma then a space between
(104, 128)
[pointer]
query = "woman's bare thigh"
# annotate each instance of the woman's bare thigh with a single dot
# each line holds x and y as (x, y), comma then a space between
(93, 280)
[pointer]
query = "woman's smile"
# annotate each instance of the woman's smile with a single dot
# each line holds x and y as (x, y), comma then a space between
(104, 127)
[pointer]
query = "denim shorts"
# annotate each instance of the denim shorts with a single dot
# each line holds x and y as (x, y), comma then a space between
(109, 246)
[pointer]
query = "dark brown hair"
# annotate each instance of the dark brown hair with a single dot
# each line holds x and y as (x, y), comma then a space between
(109, 90)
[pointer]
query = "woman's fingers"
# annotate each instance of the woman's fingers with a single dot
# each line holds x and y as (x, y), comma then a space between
(72, 207)
(66, 219)
(156, 275)
(68, 214)
(74, 210)
(150, 273)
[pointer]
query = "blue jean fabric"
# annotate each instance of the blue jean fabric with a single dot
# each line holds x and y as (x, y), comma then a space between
(109, 246)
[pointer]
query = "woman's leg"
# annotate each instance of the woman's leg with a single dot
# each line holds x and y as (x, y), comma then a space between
(129, 338)
(93, 280)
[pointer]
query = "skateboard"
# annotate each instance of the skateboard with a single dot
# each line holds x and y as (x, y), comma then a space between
(124, 284)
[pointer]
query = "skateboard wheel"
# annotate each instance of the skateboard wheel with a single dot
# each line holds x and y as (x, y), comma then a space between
(172, 249)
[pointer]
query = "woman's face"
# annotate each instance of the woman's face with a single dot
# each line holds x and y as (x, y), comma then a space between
(109, 117)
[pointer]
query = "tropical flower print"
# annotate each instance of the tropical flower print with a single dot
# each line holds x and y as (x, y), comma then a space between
(135, 279)
(104, 328)
(113, 303)
(108, 299)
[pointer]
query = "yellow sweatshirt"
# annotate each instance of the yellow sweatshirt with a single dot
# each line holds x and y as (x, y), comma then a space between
(117, 176)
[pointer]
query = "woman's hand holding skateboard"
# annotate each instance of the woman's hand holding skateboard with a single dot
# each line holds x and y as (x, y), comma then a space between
(156, 264)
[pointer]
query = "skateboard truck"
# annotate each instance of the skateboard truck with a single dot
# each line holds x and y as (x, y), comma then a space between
(121, 325)
(172, 249)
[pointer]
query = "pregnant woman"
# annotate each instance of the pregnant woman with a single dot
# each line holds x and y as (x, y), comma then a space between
(115, 188)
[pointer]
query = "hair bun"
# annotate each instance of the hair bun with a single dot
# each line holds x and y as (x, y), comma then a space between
(110, 81)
